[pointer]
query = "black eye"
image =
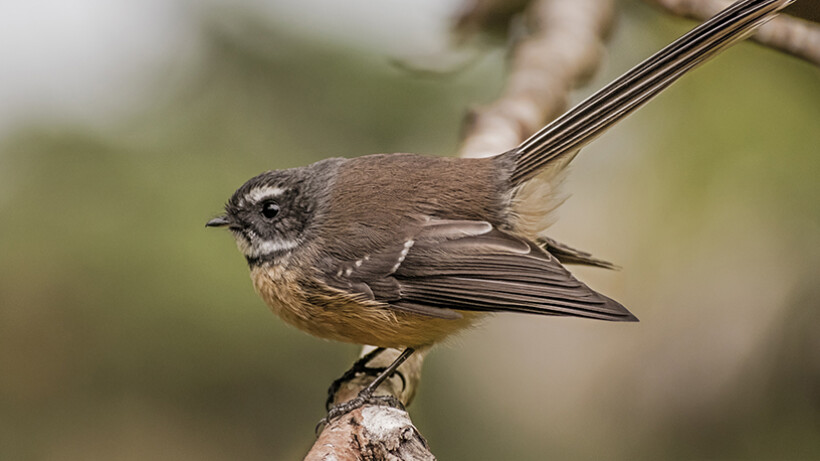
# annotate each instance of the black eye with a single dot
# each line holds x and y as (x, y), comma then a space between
(270, 209)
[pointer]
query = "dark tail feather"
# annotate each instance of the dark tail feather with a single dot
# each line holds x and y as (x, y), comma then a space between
(589, 119)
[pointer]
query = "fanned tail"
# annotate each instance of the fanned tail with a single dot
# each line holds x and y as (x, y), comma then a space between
(589, 119)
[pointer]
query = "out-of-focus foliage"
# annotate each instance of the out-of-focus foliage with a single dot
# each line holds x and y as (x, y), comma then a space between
(128, 331)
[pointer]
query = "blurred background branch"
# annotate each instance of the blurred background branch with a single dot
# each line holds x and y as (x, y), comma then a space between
(561, 51)
(797, 37)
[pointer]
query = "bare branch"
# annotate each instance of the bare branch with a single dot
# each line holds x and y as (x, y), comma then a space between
(371, 433)
(788, 34)
(563, 51)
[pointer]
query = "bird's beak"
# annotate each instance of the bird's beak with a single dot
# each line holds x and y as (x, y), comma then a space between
(219, 221)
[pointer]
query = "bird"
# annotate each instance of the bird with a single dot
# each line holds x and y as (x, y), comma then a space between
(404, 250)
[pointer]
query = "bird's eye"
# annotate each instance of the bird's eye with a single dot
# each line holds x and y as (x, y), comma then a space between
(270, 209)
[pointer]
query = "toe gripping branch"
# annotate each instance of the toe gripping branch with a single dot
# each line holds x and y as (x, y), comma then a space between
(365, 395)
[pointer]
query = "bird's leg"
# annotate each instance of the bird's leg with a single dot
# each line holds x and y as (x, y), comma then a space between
(359, 367)
(366, 394)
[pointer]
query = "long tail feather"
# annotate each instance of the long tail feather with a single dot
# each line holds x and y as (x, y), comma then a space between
(589, 119)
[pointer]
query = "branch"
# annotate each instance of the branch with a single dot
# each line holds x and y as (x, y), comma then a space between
(791, 35)
(371, 433)
(564, 50)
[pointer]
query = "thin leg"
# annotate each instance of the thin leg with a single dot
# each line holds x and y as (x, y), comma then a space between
(359, 367)
(366, 394)
(387, 372)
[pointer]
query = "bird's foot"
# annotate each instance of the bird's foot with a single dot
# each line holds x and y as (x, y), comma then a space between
(366, 394)
(360, 367)
(348, 376)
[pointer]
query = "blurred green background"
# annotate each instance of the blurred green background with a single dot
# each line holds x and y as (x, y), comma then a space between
(129, 332)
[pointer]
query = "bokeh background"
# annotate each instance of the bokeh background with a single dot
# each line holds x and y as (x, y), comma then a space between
(129, 332)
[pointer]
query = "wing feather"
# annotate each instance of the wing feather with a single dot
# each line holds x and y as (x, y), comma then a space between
(446, 266)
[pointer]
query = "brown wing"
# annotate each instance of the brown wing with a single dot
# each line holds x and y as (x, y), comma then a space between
(445, 266)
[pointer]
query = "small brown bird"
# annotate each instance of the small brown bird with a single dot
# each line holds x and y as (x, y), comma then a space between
(403, 250)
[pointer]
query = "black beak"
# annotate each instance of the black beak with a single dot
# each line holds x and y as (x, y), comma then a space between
(220, 221)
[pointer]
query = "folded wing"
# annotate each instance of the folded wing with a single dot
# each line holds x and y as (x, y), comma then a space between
(448, 266)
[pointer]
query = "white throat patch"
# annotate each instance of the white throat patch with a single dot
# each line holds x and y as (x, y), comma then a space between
(266, 247)
(257, 247)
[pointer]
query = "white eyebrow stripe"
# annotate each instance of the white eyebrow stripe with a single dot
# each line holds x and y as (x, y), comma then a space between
(264, 192)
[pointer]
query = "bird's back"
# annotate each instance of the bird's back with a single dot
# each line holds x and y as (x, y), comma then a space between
(378, 196)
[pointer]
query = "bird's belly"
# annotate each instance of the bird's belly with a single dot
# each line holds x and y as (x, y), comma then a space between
(333, 315)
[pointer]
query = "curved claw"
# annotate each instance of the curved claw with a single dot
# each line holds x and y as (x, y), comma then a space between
(360, 366)
(364, 398)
